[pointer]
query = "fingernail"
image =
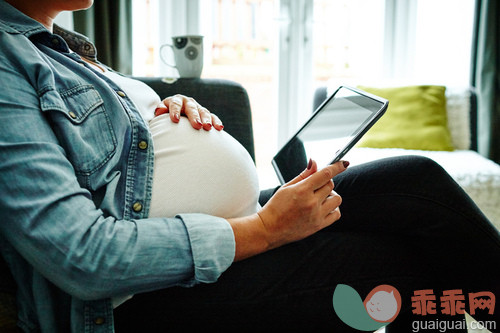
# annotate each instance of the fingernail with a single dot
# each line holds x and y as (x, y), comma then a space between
(177, 116)
(346, 164)
(309, 165)
(198, 121)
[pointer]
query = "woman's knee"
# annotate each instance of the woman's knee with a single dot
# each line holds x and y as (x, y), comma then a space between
(421, 162)
(426, 170)
(401, 174)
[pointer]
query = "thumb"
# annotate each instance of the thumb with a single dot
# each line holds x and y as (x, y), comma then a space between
(312, 167)
(160, 109)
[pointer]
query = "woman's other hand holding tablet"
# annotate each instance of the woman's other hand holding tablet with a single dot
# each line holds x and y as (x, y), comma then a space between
(297, 210)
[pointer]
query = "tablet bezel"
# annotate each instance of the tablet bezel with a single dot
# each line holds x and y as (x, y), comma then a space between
(341, 152)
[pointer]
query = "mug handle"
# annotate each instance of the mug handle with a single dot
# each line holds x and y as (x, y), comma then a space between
(161, 54)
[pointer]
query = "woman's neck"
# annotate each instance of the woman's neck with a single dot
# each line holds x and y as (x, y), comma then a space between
(45, 11)
(37, 11)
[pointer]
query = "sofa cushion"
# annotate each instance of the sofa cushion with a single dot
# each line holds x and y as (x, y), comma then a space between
(415, 119)
(477, 175)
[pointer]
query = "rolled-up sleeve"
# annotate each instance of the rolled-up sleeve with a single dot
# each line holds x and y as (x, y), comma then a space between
(212, 246)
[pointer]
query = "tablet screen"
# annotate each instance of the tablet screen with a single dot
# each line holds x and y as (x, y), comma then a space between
(331, 131)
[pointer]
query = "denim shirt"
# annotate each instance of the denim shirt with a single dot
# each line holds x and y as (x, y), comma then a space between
(76, 171)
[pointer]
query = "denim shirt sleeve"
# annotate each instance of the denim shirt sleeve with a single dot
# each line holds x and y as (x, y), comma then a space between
(208, 240)
(53, 221)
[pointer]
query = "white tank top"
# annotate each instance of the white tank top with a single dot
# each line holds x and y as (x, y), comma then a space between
(195, 171)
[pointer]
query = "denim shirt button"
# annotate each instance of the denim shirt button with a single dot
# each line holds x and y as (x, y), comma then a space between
(121, 93)
(72, 114)
(137, 207)
(99, 321)
(143, 145)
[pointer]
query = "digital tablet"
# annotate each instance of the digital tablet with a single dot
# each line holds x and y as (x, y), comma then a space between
(333, 129)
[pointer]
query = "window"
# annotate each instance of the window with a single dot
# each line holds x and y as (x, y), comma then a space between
(145, 37)
(443, 41)
(348, 39)
(388, 40)
(281, 50)
(241, 46)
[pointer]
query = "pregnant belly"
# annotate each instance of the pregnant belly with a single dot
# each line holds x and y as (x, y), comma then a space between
(198, 171)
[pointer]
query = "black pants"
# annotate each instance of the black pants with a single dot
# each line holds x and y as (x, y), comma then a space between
(404, 222)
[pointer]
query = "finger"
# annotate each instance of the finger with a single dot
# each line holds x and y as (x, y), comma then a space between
(330, 206)
(206, 117)
(333, 216)
(324, 175)
(217, 122)
(312, 167)
(174, 105)
(324, 191)
(332, 201)
(191, 111)
(161, 109)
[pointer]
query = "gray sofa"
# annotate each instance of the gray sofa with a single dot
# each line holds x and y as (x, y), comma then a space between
(227, 99)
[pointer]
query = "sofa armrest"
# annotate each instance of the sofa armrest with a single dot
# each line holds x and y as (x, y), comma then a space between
(473, 119)
(227, 99)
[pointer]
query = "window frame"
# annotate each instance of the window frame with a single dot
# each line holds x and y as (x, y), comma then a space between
(294, 81)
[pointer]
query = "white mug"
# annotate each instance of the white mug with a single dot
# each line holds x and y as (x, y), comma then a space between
(188, 55)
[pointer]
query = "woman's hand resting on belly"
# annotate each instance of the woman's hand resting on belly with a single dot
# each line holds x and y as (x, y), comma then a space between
(198, 116)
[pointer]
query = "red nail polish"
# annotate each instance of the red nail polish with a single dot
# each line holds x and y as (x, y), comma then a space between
(346, 164)
(309, 165)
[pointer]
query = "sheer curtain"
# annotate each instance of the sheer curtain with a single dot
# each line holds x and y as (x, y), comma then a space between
(108, 23)
(486, 76)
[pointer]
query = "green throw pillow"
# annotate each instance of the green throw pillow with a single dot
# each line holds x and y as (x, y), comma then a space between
(415, 119)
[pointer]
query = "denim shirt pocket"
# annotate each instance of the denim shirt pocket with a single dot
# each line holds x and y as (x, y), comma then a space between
(82, 126)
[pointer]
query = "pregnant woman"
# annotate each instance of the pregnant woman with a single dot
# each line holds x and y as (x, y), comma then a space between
(124, 212)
